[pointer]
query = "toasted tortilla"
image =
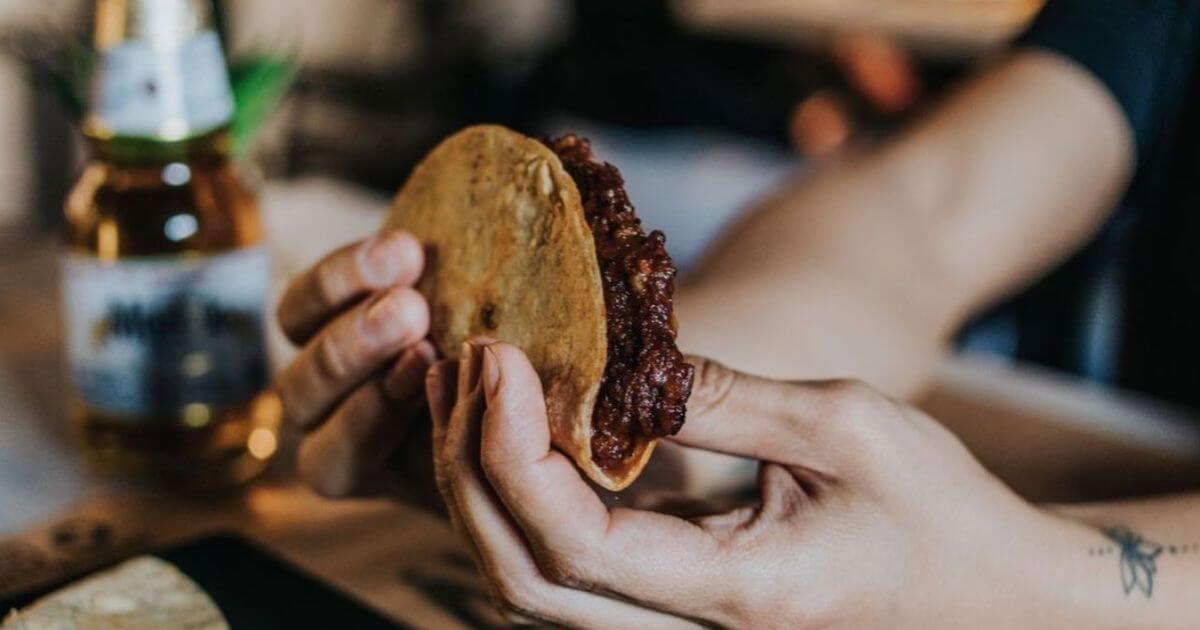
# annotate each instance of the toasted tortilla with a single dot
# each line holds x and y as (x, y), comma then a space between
(144, 593)
(509, 255)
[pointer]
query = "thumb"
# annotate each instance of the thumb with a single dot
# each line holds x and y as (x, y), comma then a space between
(515, 423)
(749, 416)
(535, 482)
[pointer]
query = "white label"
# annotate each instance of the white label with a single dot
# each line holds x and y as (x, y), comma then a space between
(172, 93)
(150, 336)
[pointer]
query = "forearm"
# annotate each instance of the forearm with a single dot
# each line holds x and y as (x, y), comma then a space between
(1127, 564)
(810, 324)
(865, 269)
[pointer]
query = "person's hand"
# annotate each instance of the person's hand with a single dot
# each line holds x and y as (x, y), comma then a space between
(356, 388)
(871, 514)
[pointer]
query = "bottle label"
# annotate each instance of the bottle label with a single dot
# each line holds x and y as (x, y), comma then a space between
(141, 90)
(148, 337)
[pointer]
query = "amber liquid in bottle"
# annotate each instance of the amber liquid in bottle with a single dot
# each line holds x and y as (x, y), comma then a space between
(164, 273)
(180, 200)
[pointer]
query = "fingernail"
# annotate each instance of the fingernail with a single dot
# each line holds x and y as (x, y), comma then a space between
(379, 259)
(403, 381)
(491, 372)
(435, 378)
(435, 390)
(425, 350)
(434, 374)
(468, 369)
(389, 319)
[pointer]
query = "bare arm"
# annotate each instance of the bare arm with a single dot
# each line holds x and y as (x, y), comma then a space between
(866, 268)
(1137, 565)
(869, 514)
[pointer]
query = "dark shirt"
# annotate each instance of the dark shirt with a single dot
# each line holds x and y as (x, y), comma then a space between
(1142, 272)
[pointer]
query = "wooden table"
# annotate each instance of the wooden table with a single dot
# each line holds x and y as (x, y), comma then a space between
(1049, 436)
(403, 562)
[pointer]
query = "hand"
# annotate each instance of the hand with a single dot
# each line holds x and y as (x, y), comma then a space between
(871, 514)
(356, 388)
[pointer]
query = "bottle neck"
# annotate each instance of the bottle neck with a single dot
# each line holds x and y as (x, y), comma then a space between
(160, 76)
(130, 151)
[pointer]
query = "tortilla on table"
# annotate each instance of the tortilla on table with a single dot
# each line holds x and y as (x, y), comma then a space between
(145, 593)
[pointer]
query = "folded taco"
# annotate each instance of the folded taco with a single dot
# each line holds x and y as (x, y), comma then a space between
(536, 244)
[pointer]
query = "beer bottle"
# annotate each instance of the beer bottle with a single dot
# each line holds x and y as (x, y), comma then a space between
(164, 278)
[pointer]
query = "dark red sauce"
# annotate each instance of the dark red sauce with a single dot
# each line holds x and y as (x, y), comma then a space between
(646, 382)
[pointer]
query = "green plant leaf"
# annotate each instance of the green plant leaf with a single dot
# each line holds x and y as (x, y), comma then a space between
(78, 61)
(260, 84)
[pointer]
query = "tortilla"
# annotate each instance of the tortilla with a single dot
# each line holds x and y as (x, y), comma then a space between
(509, 255)
(144, 593)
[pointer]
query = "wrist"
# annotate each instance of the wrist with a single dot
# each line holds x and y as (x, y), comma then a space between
(1077, 571)
(1033, 571)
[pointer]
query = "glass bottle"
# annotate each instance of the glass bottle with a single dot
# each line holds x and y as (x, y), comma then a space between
(165, 275)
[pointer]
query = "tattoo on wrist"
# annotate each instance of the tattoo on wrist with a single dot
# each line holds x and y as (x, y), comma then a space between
(1137, 557)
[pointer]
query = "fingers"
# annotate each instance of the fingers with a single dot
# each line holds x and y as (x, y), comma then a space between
(335, 459)
(346, 455)
(348, 350)
(353, 271)
(576, 541)
(816, 425)
(349, 450)
(406, 379)
(513, 576)
(441, 391)
(516, 453)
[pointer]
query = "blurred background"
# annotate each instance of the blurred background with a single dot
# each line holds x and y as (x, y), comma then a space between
(718, 100)
(747, 88)
(705, 105)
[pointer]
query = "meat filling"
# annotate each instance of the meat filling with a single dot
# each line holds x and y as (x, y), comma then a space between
(646, 382)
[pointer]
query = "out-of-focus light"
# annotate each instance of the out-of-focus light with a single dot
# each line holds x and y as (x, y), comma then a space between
(176, 174)
(180, 227)
(196, 415)
(196, 364)
(107, 239)
(880, 69)
(174, 128)
(820, 124)
(262, 443)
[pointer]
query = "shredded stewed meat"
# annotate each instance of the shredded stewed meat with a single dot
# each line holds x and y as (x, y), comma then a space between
(646, 382)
